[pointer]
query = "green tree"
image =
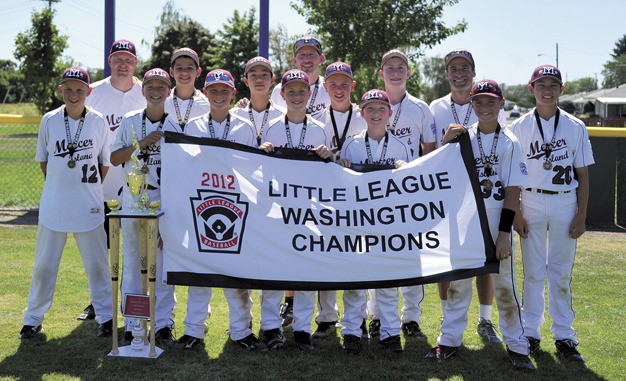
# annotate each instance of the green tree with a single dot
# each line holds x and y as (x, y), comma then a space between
(620, 47)
(11, 87)
(361, 31)
(614, 72)
(520, 95)
(237, 43)
(38, 50)
(580, 85)
(435, 83)
(281, 52)
(176, 30)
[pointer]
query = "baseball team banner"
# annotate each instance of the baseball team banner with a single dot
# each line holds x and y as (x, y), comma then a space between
(238, 217)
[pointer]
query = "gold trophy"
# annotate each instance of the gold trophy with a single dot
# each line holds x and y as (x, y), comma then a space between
(114, 205)
(137, 179)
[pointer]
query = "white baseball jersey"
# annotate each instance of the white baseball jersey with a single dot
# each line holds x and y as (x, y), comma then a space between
(150, 157)
(412, 122)
(308, 139)
(444, 117)
(260, 120)
(572, 149)
(347, 125)
(113, 104)
(239, 130)
(317, 102)
(509, 168)
(72, 199)
(188, 109)
(355, 150)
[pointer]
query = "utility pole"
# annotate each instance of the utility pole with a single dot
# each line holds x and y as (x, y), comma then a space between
(109, 32)
(264, 28)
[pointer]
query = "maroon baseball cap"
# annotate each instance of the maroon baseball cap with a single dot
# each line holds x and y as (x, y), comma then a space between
(219, 76)
(123, 46)
(546, 71)
(294, 75)
(185, 52)
(258, 61)
(75, 73)
(307, 41)
(338, 68)
(487, 87)
(394, 53)
(460, 53)
(157, 74)
(374, 95)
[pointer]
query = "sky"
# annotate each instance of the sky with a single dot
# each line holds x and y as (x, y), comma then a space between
(508, 39)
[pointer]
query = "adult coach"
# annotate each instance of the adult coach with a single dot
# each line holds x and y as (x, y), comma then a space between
(307, 56)
(452, 110)
(113, 97)
(558, 153)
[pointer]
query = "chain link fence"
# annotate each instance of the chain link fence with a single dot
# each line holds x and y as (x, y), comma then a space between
(21, 180)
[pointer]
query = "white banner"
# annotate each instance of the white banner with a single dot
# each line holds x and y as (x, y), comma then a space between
(240, 218)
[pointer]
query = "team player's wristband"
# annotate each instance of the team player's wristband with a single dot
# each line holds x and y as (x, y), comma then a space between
(506, 220)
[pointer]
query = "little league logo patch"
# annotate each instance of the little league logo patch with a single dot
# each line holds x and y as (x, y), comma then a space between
(220, 219)
(523, 168)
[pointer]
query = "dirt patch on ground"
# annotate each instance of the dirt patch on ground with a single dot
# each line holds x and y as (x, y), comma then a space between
(19, 217)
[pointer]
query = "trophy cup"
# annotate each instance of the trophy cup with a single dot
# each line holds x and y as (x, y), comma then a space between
(114, 205)
(154, 206)
(137, 179)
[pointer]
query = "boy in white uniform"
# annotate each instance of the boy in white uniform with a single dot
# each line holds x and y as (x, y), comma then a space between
(558, 151)
(146, 127)
(298, 130)
(73, 152)
(378, 146)
(412, 122)
(184, 103)
(113, 97)
(456, 109)
(220, 123)
(342, 120)
(501, 171)
(258, 76)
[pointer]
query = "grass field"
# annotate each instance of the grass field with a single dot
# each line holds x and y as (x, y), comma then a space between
(72, 352)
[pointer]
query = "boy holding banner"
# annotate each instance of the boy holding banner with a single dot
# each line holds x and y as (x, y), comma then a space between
(501, 171)
(375, 146)
(298, 130)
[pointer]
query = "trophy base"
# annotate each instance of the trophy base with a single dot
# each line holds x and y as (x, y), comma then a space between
(128, 351)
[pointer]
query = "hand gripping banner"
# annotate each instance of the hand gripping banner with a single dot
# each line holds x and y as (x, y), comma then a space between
(237, 217)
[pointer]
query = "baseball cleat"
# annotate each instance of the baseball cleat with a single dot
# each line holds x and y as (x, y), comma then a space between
(352, 344)
(392, 343)
(274, 338)
(520, 361)
(534, 345)
(303, 340)
(412, 329)
(487, 331)
(441, 352)
(163, 338)
(89, 313)
(286, 312)
(105, 329)
(30, 331)
(325, 329)
(189, 342)
(251, 343)
(567, 349)
(374, 327)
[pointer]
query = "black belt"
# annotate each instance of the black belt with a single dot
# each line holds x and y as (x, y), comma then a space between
(543, 191)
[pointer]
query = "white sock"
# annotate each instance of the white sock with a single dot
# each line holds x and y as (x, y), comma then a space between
(484, 311)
